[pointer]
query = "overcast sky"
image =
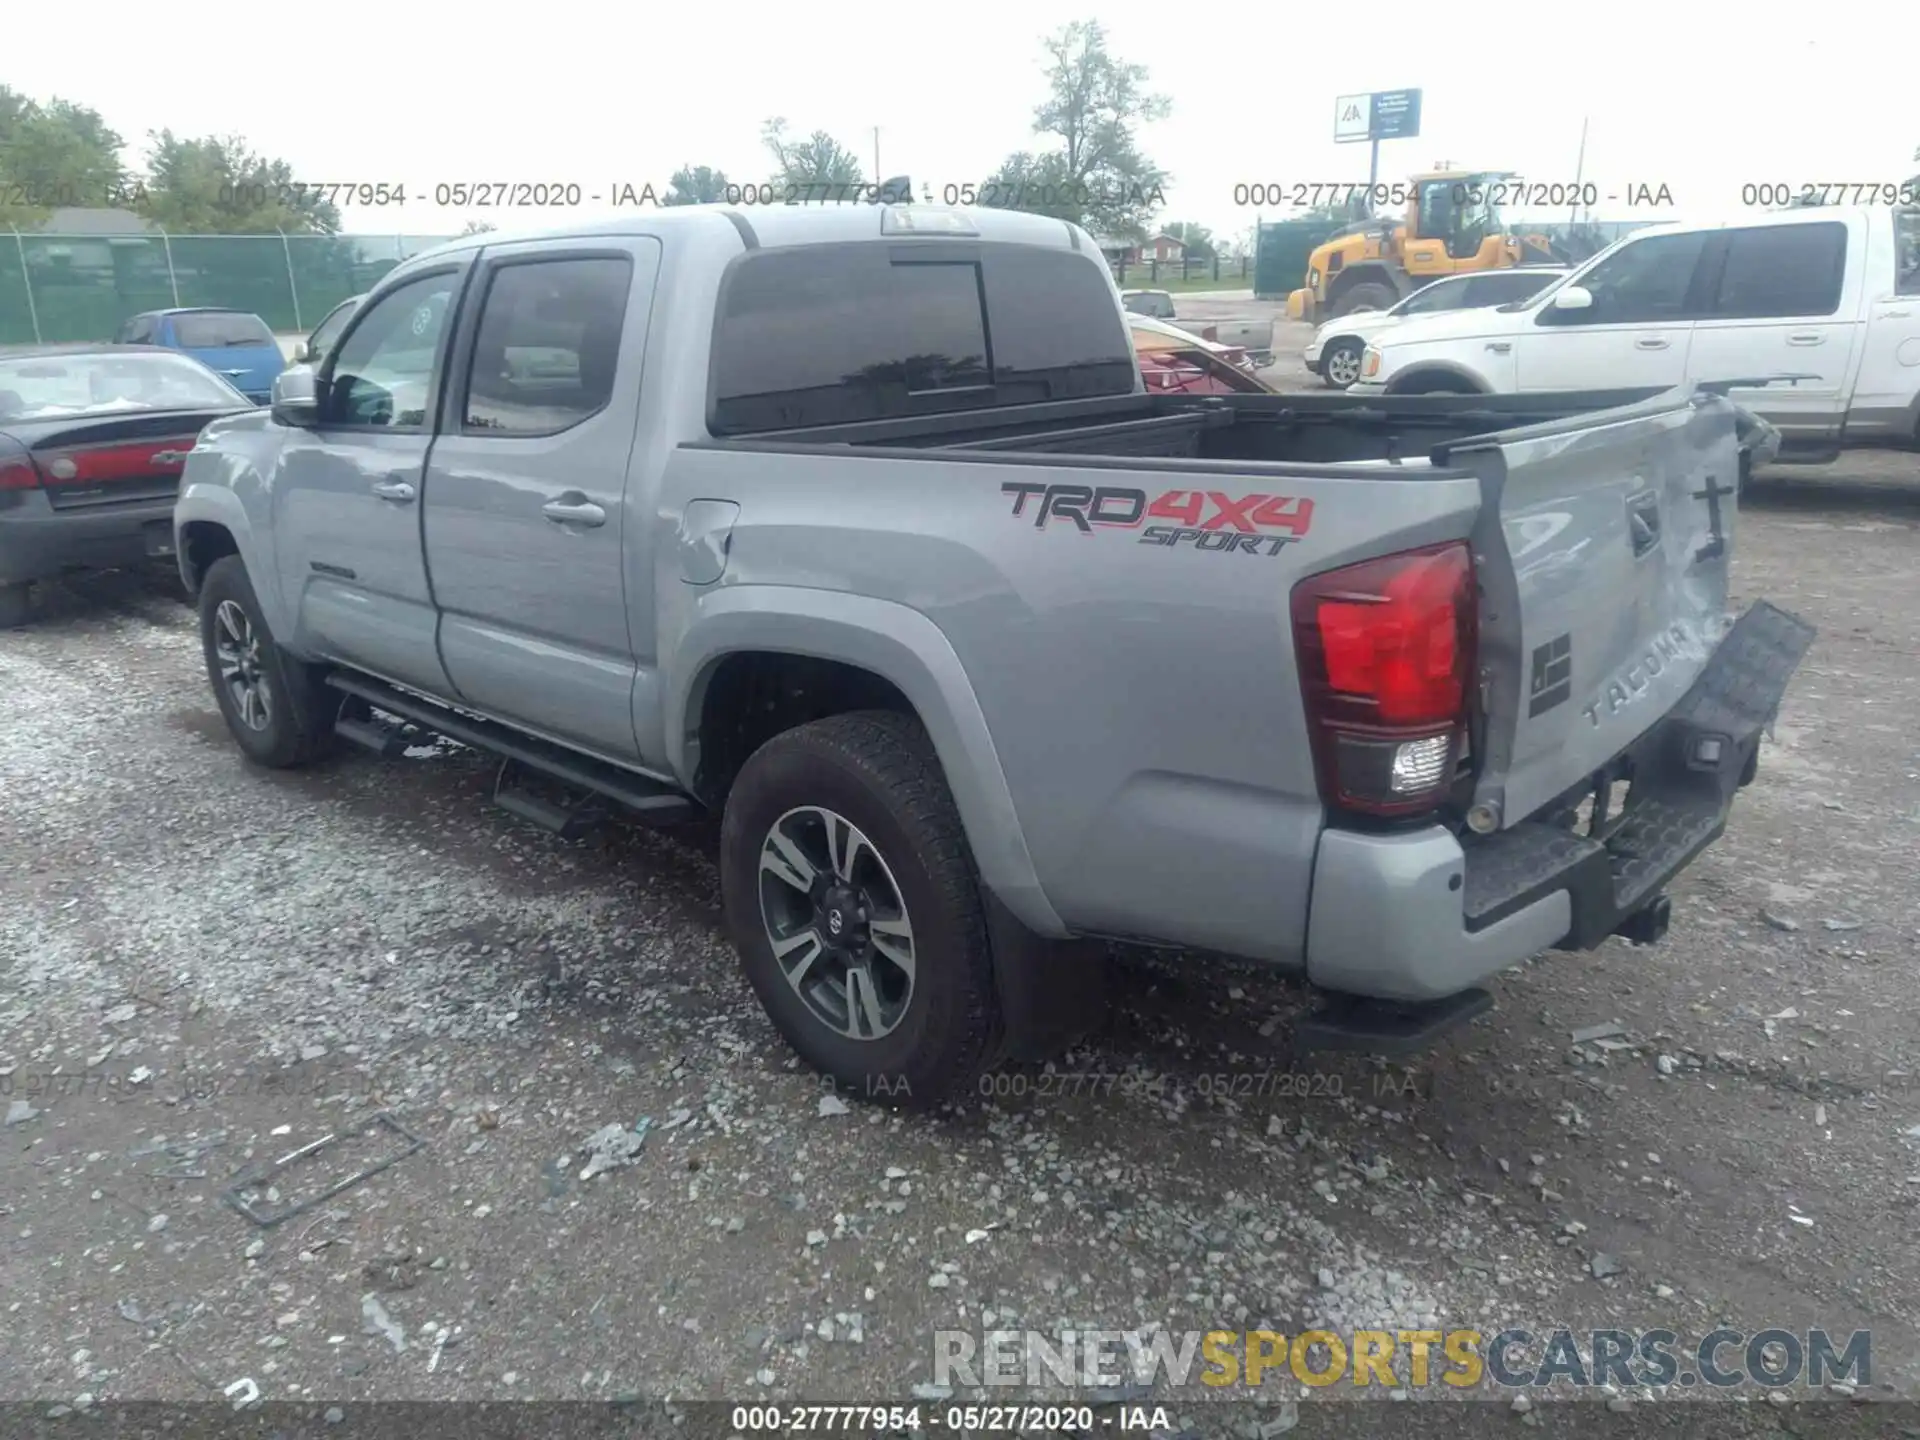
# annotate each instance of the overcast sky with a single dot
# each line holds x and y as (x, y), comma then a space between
(601, 94)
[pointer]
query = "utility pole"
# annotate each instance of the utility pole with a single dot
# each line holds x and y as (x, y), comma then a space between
(1579, 173)
(876, 154)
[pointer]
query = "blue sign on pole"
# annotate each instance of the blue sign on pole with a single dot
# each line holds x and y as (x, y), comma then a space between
(1396, 115)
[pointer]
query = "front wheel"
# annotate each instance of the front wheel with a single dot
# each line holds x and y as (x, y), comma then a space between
(275, 706)
(1340, 363)
(1363, 298)
(852, 898)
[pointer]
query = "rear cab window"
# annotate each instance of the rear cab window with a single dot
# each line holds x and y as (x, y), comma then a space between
(220, 330)
(836, 334)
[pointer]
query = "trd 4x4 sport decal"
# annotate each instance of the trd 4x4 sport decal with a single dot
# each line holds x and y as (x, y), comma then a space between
(1204, 519)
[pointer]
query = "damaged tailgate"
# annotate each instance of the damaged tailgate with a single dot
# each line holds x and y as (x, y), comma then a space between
(1603, 555)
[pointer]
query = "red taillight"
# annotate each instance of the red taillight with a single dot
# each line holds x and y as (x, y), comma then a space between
(17, 473)
(103, 464)
(1386, 652)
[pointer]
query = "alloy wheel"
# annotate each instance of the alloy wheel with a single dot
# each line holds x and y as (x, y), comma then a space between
(236, 646)
(837, 922)
(1343, 366)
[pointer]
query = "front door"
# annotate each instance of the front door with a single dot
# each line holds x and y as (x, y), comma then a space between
(1634, 334)
(526, 491)
(1783, 304)
(347, 492)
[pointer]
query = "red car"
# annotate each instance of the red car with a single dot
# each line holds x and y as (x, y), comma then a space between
(1177, 361)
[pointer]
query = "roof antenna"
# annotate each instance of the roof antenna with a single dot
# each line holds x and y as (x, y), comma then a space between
(897, 191)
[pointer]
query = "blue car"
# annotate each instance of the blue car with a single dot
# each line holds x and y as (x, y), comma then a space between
(236, 346)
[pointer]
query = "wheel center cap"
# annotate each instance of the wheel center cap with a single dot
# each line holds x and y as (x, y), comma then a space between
(836, 923)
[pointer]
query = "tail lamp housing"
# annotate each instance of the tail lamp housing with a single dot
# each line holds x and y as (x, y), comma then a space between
(1385, 650)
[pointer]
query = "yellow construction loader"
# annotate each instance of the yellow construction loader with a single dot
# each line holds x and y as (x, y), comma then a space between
(1452, 226)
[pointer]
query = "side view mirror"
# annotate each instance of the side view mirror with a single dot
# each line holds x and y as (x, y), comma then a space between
(1573, 297)
(296, 397)
(301, 355)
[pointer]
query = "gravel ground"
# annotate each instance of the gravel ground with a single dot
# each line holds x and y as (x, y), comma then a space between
(205, 967)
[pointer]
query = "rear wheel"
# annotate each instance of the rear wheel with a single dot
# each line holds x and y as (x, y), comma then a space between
(852, 898)
(1364, 297)
(1340, 362)
(15, 603)
(274, 705)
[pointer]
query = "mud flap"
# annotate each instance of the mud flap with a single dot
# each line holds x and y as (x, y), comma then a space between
(1052, 992)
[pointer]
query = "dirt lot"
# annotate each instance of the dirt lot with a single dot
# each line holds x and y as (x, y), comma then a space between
(204, 967)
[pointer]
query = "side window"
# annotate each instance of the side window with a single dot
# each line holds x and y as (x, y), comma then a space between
(382, 372)
(1782, 270)
(1502, 289)
(1644, 281)
(1441, 295)
(1906, 268)
(137, 331)
(548, 342)
(836, 334)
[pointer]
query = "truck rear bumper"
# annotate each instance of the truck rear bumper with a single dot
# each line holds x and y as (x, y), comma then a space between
(1420, 915)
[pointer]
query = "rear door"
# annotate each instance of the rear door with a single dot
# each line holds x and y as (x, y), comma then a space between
(1886, 394)
(347, 491)
(1607, 586)
(1784, 300)
(526, 490)
(1636, 332)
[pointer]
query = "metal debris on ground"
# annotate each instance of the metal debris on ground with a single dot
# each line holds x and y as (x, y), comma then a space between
(1846, 924)
(243, 1392)
(19, 1112)
(237, 1195)
(1587, 1034)
(833, 1105)
(614, 1145)
(1780, 922)
(1602, 1265)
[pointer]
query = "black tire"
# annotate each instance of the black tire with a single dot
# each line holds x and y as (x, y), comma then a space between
(1366, 296)
(1439, 383)
(878, 771)
(1349, 348)
(16, 603)
(298, 726)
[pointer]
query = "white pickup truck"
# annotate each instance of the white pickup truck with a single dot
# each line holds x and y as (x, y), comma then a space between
(1828, 296)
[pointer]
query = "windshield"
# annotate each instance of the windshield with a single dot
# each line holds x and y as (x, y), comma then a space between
(41, 387)
(220, 330)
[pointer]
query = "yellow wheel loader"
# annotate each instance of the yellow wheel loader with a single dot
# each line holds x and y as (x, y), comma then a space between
(1452, 226)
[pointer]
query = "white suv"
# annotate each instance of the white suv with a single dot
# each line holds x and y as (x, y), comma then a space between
(1334, 352)
(1823, 304)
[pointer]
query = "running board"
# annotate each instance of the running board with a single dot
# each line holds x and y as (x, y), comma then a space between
(1386, 1027)
(645, 799)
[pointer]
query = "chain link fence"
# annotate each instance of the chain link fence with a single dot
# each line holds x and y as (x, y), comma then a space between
(82, 287)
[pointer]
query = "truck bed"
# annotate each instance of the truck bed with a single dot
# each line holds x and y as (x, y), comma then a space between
(1300, 429)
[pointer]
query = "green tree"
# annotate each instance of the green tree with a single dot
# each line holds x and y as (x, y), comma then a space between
(216, 185)
(818, 160)
(1093, 171)
(696, 185)
(55, 155)
(1197, 238)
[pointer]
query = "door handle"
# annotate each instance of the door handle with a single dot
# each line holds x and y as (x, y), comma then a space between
(566, 510)
(398, 490)
(1650, 344)
(1499, 347)
(1805, 339)
(1896, 314)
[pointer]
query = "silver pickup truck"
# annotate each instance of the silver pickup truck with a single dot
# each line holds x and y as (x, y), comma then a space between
(855, 527)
